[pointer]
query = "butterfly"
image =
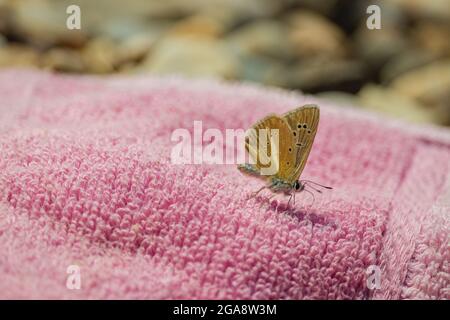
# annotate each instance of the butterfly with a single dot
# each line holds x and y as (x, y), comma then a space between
(296, 132)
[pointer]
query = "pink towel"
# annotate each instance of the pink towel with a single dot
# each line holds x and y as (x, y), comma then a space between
(86, 182)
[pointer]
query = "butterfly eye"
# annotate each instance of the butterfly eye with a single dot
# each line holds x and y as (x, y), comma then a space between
(309, 131)
(299, 126)
(295, 133)
(290, 149)
(305, 126)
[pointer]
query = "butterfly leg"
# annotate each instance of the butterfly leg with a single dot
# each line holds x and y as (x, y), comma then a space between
(271, 197)
(276, 208)
(294, 199)
(254, 194)
(311, 194)
(268, 201)
(289, 201)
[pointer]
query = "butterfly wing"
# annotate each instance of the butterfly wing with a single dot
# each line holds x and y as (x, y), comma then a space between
(282, 154)
(303, 123)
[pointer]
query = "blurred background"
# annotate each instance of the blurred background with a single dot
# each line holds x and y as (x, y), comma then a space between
(321, 47)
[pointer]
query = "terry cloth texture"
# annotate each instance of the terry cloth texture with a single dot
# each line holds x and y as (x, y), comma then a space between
(86, 182)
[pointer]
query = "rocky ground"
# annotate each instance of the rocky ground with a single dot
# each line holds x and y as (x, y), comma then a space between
(322, 47)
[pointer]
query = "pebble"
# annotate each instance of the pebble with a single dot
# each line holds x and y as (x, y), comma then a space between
(392, 103)
(18, 56)
(258, 68)
(376, 47)
(262, 37)
(63, 60)
(310, 34)
(193, 57)
(203, 26)
(339, 98)
(404, 62)
(318, 74)
(429, 85)
(433, 37)
(2, 41)
(100, 55)
(426, 9)
(135, 48)
(43, 24)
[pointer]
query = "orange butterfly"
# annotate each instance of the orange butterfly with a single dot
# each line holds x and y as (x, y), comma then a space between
(296, 131)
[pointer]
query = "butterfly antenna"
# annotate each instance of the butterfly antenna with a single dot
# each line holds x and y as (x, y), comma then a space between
(316, 190)
(317, 184)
